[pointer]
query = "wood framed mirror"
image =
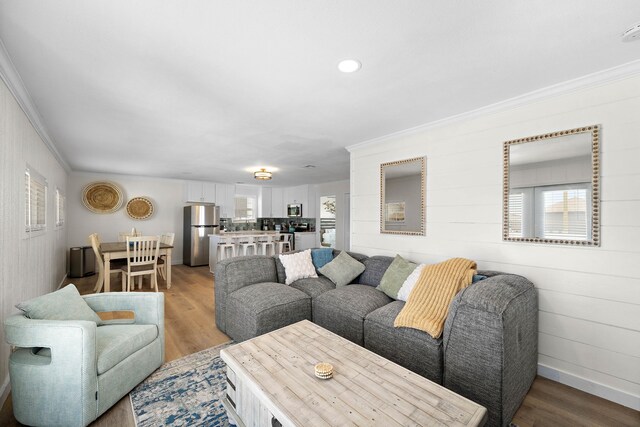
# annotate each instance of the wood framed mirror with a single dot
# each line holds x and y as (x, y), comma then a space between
(402, 197)
(551, 188)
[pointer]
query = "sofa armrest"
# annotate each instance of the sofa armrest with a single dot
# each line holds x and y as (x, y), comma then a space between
(490, 344)
(69, 370)
(232, 274)
(147, 306)
(72, 338)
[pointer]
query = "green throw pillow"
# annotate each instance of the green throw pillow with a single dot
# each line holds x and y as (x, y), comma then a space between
(64, 304)
(395, 276)
(343, 269)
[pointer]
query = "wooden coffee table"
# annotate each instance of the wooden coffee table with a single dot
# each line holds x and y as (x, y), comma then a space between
(271, 382)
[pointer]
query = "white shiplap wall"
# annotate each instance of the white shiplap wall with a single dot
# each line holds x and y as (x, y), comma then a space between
(589, 298)
(28, 266)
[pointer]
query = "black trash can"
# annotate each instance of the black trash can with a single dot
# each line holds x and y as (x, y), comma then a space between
(82, 261)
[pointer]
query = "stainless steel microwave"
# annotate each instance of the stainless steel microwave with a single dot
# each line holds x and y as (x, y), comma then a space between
(294, 210)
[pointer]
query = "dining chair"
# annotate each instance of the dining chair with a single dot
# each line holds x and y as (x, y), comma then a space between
(227, 243)
(285, 241)
(266, 245)
(247, 242)
(122, 236)
(142, 259)
(94, 240)
(167, 239)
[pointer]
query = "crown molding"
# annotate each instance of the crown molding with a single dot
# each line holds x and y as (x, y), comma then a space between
(590, 80)
(14, 82)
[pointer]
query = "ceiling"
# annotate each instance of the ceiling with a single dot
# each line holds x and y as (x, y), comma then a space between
(213, 89)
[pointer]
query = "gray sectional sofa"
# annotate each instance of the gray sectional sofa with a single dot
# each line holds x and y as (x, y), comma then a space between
(487, 352)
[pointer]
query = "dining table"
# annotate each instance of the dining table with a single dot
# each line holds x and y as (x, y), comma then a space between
(118, 250)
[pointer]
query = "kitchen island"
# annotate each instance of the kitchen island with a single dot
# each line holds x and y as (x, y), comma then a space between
(302, 240)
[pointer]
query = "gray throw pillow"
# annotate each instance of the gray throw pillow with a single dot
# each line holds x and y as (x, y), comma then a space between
(64, 304)
(343, 269)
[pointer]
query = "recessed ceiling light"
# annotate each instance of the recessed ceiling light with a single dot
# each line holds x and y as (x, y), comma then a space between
(349, 65)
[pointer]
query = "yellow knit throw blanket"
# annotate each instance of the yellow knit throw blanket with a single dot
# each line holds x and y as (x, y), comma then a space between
(428, 304)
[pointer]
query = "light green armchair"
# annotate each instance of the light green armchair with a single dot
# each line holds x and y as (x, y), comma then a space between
(68, 373)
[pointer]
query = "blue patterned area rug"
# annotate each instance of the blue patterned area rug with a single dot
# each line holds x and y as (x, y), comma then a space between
(183, 392)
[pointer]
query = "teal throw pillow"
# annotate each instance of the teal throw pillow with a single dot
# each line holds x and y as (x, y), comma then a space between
(343, 269)
(477, 278)
(321, 257)
(64, 304)
(395, 276)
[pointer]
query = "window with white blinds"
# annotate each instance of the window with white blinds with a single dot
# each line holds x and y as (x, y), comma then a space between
(245, 208)
(516, 214)
(35, 201)
(60, 208)
(565, 212)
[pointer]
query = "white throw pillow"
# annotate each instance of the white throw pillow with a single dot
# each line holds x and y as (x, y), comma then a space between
(409, 283)
(298, 266)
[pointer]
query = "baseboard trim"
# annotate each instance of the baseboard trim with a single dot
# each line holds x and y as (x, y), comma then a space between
(589, 386)
(62, 281)
(4, 391)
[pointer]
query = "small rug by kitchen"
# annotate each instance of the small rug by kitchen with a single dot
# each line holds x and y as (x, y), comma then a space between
(183, 392)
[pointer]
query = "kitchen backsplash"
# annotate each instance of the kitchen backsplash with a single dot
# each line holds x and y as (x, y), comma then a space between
(299, 224)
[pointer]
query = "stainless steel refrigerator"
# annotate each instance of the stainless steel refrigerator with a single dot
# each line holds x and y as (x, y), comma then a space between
(199, 222)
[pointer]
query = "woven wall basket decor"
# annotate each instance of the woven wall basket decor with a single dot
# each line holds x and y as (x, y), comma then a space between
(139, 208)
(102, 197)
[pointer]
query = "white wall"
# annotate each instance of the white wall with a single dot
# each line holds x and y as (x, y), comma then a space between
(338, 189)
(589, 298)
(167, 196)
(34, 266)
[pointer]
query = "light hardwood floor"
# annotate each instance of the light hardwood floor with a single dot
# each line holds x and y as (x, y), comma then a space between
(190, 327)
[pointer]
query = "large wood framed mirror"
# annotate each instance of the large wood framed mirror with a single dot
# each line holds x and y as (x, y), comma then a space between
(402, 197)
(551, 191)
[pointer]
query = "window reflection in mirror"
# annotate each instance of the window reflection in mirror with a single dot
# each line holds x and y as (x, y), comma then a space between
(402, 192)
(551, 190)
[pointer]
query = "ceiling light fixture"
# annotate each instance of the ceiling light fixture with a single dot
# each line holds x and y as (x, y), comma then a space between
(349, 65)
(262, 175)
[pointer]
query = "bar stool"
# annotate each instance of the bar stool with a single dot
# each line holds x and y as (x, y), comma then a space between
(248, 242)
(285, 241)
(226, 243)
(266, 244)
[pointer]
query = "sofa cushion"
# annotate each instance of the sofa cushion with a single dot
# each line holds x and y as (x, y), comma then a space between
(343, 309)
(63, 304)
(297, 266)
(375, 267)
(395, 276)
(114, 343)
(314, 286)
(411, 348)
(264, 307)
(343, 269)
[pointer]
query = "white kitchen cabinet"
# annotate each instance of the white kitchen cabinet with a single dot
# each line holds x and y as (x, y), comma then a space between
(305, 240)
(224, 198)
(265, 205)
(302, 194)
(277, 203)
(200, 192)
